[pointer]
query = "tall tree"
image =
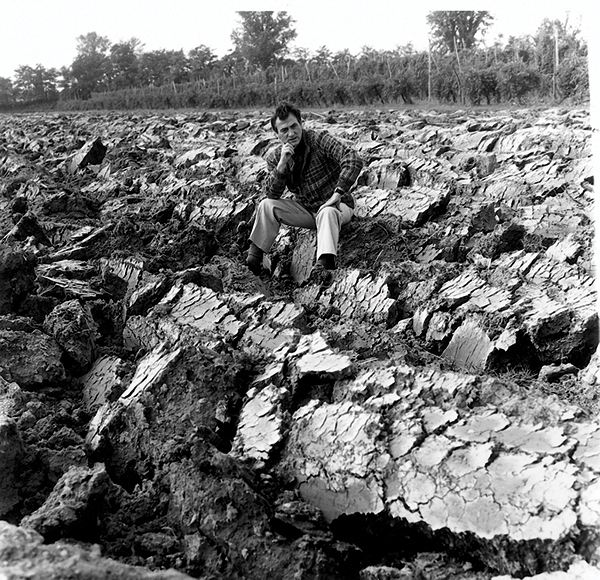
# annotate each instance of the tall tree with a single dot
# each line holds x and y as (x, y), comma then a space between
(91, 67)
(160, 67)
(262, 38)
(6, 91)
(178, 67)
(201, 59)
(124, 63)
(66, 81)
(457, 29)
(92, 43)
(35, 83)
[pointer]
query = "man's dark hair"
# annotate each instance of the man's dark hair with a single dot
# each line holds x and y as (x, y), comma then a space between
(282, 112)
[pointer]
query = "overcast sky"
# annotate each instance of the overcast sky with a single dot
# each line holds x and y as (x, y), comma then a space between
(45, 31)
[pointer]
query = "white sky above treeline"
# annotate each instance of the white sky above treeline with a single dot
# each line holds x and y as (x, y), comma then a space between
(45, 31)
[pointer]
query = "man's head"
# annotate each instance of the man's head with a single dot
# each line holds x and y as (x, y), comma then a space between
(287, 123)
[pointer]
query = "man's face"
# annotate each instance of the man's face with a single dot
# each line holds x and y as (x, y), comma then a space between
(289, 130)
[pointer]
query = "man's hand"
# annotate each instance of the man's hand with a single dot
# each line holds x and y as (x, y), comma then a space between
(333, 201)
(287, 151)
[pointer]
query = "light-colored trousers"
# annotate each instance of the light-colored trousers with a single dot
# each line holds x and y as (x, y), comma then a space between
(328, 222)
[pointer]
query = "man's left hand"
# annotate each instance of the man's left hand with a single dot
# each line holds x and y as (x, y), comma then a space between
(333, 201)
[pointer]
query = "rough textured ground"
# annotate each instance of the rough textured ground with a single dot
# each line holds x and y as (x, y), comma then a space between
(166, 414)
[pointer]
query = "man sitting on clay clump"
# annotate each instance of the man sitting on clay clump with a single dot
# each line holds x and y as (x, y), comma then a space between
(319, 170)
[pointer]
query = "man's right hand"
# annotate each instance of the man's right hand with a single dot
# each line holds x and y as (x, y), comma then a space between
(287, 151)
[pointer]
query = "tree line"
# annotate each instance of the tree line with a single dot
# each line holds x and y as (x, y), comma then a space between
(262, 69)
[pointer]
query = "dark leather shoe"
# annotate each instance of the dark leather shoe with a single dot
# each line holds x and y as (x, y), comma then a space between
(254, 264)
(320, 275)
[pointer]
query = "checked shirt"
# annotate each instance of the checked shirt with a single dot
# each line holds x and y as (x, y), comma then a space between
(324, 165)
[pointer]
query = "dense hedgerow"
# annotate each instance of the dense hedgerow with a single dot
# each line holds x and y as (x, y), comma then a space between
(470, 81)
(516, 74)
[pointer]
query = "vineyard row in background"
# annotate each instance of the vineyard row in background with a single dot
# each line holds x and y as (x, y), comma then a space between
(510, 84)
(528, 70)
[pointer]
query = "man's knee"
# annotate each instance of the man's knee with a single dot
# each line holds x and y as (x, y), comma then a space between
(329, 215)
(264, 204)
(265, 207)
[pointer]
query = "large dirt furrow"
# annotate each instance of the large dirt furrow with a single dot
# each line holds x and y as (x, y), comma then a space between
(430, 413)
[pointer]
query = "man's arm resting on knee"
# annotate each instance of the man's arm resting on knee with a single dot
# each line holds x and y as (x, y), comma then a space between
(333, 201)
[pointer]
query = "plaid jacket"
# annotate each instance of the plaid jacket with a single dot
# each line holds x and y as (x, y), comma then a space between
(326, 165)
